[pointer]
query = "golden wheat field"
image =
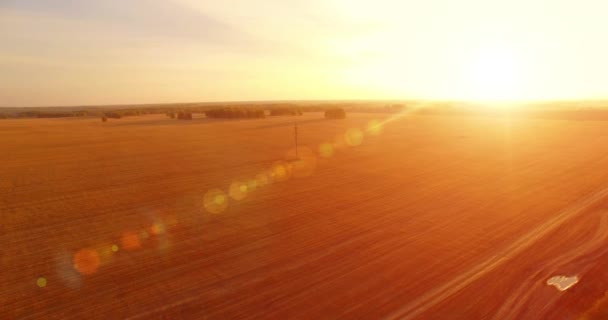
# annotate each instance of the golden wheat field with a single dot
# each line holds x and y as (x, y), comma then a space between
(418, 217)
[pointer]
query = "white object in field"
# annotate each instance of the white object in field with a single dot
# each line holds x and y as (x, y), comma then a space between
(562, 283)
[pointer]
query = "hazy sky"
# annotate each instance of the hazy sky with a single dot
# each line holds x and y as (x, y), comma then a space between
(65, 52)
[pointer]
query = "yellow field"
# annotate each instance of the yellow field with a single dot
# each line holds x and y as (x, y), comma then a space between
(431, 217)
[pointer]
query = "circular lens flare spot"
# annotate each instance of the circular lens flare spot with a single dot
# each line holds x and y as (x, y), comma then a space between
(238, 190)
(86, 261)
(41, 282)
(114, 248)
(326, 150)
(252, 185)
(215, 201)
(262, 179)
(157, 229)
(130, 241)
(280, 171)
(305, 163)
(353, 137)
(374, 128)
(105, 254)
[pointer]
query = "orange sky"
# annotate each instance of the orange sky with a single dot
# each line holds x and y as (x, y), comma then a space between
(60, 52)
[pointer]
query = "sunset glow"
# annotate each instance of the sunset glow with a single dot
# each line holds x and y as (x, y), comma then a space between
(100, 52)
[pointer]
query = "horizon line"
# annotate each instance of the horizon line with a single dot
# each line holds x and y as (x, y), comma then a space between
(528, 101)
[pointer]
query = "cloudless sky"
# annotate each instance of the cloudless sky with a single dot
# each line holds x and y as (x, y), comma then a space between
(70, 52)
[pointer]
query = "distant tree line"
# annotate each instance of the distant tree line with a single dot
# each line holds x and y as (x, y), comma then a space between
(184, 115)
(49, 114)
(113, 115)
(235, 113)
(225, 110)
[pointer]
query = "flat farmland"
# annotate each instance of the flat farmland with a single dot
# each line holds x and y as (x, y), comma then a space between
(418, 217)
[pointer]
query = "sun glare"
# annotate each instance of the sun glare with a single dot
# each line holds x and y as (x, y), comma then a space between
(493, 73)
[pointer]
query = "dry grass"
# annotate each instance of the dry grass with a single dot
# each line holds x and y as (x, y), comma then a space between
(374, 227)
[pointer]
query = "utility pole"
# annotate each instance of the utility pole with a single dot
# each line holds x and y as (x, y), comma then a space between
(295, 128)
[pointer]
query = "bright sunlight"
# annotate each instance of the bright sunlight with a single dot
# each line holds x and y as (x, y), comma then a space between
(494, 73)
(295, 50)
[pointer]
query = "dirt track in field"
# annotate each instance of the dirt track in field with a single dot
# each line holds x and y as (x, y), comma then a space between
(433, 218)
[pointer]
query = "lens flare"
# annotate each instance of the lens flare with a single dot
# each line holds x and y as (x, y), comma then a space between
(41, 282)
(374, 128)
(157, 229)
(114, 248)
(252, 185)
(86, 261)
(105, 254)
(238, 190)
(67, 273)
(280, 171)
(262, 179)
(326, 150)
(215, 201)
(305, 164)
(353, 137)
(130, 241)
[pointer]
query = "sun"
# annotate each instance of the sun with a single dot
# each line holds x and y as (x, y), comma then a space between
(494, 73)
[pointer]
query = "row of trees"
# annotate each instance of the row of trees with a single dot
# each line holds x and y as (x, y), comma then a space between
(49, 114)
(228, 111)
(183, 115)
(235, 113)
(113, 115)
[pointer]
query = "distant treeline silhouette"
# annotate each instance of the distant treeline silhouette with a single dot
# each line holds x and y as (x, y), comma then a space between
(184, 115)
(235, 113)
(578, 110)
(50, 114)
(113, 115)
